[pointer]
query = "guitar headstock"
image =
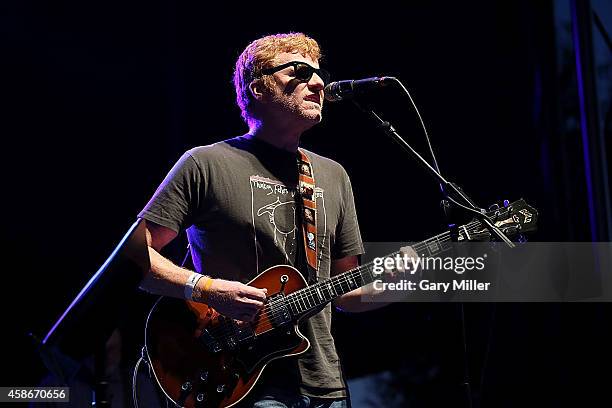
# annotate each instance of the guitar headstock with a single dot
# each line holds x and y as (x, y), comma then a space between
(514, 218)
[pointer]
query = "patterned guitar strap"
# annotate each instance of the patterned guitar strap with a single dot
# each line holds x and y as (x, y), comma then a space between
(308, 215)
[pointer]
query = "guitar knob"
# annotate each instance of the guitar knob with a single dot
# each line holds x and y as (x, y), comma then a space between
(200, 397)
(186, 386)
(204, 376)
(506, 203)
(221, 388)
(494, 207)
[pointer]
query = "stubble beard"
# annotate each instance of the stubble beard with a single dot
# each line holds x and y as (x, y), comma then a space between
(306, 115)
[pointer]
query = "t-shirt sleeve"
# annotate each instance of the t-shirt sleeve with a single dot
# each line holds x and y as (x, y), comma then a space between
(348, 238)
(178, 196)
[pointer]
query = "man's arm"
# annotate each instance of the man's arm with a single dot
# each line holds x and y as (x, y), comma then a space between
(353, 301)
(230, 298)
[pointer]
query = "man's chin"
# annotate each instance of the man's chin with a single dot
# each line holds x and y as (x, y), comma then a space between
(313, 115)
(313, 120)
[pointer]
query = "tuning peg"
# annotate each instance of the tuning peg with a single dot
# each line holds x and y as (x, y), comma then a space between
(494, 207)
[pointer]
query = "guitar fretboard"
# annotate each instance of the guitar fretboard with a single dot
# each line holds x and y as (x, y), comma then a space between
(321, 293)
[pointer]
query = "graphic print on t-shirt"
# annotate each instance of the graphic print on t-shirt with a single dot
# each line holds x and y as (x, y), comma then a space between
(273, 216)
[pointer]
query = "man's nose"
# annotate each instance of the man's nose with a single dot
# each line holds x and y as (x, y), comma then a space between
(316, 83)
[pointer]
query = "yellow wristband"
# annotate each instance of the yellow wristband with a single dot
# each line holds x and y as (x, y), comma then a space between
(205, 289)
(208, 284)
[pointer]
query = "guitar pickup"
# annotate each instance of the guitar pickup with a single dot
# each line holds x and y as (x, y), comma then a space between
(209, 341)
(279, 310)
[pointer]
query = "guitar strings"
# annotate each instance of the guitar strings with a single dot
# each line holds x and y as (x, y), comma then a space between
(347, 278)
(303, 295)
(305, 298)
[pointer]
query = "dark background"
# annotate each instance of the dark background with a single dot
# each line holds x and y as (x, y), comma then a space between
(101, 98)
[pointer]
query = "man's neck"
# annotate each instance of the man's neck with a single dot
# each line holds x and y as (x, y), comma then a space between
(279, 137)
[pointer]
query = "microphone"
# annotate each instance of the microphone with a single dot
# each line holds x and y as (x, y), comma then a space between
(340, 90)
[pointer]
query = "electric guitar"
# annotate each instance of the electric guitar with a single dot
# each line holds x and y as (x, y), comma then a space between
(201, 358)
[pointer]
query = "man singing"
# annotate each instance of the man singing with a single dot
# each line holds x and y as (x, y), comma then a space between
(242, 208)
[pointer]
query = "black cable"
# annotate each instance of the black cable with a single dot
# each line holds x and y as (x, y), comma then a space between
(465, 207)
(135, 377)
(433, 155)
(602, 30)
(485, 359)
(466, 366)
(143, 351)
(466, 379)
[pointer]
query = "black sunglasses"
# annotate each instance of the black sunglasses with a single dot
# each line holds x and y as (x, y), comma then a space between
(301, 71)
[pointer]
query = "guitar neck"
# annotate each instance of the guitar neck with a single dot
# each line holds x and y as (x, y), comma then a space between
(314, 296)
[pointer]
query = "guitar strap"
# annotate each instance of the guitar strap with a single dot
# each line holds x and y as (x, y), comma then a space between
(308, 213)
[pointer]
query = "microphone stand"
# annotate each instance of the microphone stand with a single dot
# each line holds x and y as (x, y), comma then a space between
(448, 188)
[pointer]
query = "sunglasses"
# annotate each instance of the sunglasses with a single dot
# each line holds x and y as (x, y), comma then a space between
(301, 71)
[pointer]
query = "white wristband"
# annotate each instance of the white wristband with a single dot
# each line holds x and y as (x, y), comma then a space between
(192, 281)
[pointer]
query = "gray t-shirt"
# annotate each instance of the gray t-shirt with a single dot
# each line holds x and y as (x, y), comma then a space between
(237, 200)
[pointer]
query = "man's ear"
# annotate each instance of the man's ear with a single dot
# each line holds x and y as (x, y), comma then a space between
(256, 88)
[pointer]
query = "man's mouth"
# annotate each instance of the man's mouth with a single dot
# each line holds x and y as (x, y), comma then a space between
(313, 98)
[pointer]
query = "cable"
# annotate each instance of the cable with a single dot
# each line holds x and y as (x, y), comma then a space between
(134, 379)
(142, 352)
(433, 155)
(135, 376)
(466, 366)
(446, 194)
(465, 207)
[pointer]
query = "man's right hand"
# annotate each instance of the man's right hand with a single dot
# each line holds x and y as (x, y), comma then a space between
(234, 299)
(230, 298)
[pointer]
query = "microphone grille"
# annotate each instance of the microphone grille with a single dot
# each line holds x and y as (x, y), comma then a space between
(331, 93)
